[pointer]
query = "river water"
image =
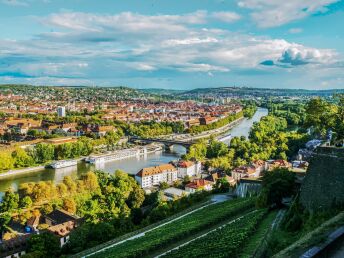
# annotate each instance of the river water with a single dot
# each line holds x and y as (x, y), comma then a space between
(130, 165)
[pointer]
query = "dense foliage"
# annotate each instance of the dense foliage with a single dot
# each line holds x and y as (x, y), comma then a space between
(276, 185)
(323, 115)
(249, 111)
(156, 209)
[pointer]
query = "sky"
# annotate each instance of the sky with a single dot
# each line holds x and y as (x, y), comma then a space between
(173, 44)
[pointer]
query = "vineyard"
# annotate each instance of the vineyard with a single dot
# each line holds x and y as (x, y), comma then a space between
(223, 242)
(180, 229)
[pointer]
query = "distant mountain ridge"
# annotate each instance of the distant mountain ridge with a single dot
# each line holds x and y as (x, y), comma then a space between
(240, 91)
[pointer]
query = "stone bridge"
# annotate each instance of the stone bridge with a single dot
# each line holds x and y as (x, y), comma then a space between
(168, 143)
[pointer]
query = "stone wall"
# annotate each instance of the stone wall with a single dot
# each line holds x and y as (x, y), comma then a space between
(323, 186)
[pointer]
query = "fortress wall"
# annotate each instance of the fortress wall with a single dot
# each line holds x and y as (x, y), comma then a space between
(323, 186)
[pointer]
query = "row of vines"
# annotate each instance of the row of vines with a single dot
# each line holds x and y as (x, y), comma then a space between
(223, 242)
(191, 224)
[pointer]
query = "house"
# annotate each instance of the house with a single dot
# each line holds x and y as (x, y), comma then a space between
(151, 176)
(102, 130)
(192, 122)
(188, 168)
(218, 175)
(61, 223)
(260, 166)
(278, 163)
(199, 185)
(173, 192)
(243, 171)
(15, 247)
(207, 120)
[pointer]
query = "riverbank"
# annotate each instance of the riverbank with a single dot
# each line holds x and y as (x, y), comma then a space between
(21, 171)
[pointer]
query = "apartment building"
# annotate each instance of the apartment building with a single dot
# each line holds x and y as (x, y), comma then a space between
(153, 176)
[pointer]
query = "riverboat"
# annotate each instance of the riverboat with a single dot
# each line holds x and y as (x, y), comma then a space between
(63, 164)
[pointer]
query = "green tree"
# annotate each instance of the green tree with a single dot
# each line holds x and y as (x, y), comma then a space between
(10, 201)
(216, 149)
(26, 202)
(21, 158)
(6, 161)
(44, 245)
(44, 152)
(276, 185)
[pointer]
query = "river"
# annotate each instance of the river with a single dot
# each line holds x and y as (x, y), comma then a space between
(130, 165)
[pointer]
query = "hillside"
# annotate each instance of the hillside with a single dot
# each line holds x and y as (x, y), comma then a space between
(257, 92)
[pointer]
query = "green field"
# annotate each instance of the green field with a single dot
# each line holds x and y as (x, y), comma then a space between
(193, 223)
(226, 241)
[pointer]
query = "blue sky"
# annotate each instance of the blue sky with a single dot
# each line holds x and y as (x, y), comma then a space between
(173, 44)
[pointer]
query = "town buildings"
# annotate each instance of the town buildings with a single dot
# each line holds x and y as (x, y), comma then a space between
(61, 111)
(188, 168)
(153, 176)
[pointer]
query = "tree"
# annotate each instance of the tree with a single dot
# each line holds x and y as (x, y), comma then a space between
(5, 218)
(44, 152)
(44, 245)
(276, 184)
(320, 115)
(26, 202)
(163, 186)
(10, 201)
(69, 205)
(186, 180)
(90, 181)
(21, 158)
(197, 151)
(71, 185)
(6, 161)
(136, 197)
(222, 185)
(216, 149)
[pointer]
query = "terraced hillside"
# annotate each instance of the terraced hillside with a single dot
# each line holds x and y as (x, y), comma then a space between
(163, 236)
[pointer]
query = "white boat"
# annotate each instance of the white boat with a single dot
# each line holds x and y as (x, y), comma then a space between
(63, 164)
(225, 138)
(123, 154)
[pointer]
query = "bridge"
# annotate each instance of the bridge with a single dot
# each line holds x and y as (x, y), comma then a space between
(168, 143)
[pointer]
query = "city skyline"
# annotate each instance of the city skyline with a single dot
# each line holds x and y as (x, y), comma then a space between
(160, 44)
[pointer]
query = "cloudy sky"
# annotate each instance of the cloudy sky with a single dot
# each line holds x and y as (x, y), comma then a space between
(173, 44)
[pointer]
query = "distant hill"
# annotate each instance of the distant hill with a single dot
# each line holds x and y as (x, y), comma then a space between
(258, 92)
(162, 91)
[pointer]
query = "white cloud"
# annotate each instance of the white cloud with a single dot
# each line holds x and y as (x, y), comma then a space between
(295, 30)
(106, 47)
(273, 13)
(189, 41)
(226, 16)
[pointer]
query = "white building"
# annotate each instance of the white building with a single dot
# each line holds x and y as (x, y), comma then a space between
(148, 177)
(199, 185)
(189, 168)
(61, 111)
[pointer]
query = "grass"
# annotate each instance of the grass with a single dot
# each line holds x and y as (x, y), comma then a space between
(314, 237)
(255, 241)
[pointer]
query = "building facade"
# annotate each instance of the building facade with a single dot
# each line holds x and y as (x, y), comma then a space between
(153, 176)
